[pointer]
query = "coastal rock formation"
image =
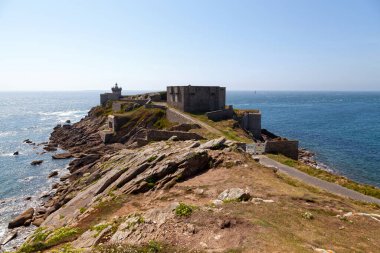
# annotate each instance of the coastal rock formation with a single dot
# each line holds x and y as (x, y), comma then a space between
(62, 156)
(23, 219)
(181, 196)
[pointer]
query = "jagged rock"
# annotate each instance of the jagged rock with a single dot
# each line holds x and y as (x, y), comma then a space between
(62, 156)
(12, 235)
(91, 238)
(28, 141)
(16, 153)
(173, 138)
(28, 198)
(36, 162)
(64, 177)
(22, 218)
(80, 162)
(28, 222)
(53, 174)
(37, 222)
(233, 194)
(225, 223)
(214, 144)
(195, 144)
(50, 148)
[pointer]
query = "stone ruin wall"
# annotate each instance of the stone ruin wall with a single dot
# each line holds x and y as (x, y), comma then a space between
(221, 114)
(288, 148)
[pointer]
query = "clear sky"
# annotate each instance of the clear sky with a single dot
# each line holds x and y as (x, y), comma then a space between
(244, 45)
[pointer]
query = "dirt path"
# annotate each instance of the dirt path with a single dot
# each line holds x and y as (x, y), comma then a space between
(192, 119)
(327, 186)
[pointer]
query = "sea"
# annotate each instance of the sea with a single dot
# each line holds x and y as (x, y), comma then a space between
(341, 128)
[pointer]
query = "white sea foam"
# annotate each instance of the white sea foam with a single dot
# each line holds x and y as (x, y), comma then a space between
(7, 133)
(6, 154)
(63, 113)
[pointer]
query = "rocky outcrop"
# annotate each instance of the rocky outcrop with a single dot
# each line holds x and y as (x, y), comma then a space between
(234, 194)
(66, 155)
(158, 166)
(23, 219)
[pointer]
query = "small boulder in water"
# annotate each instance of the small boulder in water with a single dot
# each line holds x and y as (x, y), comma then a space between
(36, 162)
(16, 153)
(68, 121)
(22, 218)
(53, 174)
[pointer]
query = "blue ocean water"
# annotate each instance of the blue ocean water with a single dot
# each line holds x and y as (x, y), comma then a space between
(342, 128)
(32, 115)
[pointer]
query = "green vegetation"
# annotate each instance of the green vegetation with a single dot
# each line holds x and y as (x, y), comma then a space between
(44, 239)
(67, 248)
(99, 228)
(82, 209)
(184, 210)
(151, 159)
(146, 117)
(327, 176)
(226, 127)
(308, 215)
(151, 247)
(102, 110)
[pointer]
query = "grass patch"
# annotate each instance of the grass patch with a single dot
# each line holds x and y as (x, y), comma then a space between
(43, 239)
(151, 247)
(226, 127)
(327, 176)
(183, 210)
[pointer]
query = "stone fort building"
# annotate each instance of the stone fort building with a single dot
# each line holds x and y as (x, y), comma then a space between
(197, 98)
(115, 95)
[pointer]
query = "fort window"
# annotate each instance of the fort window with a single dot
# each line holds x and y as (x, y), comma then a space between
(110, 124)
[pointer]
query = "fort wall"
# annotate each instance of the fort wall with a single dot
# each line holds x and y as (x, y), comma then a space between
(288, 148)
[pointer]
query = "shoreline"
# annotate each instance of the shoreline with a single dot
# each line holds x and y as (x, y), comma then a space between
(306, 156)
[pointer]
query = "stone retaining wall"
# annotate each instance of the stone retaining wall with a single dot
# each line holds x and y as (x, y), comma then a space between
(220, 114)
(138, 101)
(285, 147)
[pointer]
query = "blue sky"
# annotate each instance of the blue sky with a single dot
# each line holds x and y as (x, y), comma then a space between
(244, 45)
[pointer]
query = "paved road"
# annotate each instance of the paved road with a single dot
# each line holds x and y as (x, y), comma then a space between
(330, 187)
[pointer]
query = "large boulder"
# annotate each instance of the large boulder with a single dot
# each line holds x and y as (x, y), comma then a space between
(234, 194)
(21, 219)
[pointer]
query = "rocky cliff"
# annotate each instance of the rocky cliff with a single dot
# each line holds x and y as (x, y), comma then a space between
(186, 196)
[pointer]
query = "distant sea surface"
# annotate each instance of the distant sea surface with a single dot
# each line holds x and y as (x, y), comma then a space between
(342, 128)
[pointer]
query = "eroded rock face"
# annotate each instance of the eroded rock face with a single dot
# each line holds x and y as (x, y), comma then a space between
(22, 219)
(159, 165)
